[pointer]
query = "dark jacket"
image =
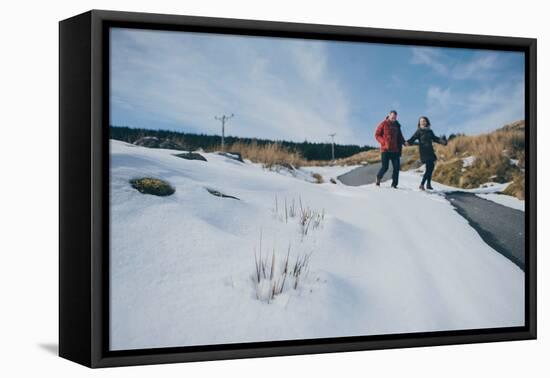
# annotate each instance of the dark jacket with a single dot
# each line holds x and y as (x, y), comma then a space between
(426, 137)
(389, 135)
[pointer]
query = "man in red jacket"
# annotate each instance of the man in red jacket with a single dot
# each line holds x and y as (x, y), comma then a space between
(388, 134)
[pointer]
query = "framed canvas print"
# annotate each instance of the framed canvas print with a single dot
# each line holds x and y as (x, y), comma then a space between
(235, 188)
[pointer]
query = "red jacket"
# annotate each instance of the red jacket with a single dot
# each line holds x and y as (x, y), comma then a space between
(389, 135)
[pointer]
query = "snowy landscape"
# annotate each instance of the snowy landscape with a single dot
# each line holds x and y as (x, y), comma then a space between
(240, 253)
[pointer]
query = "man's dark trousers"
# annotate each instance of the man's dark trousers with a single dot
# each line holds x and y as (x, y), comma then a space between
(395, 163)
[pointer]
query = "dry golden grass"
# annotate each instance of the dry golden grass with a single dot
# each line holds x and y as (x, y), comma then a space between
(517, 187)
(274, 154)
(269, 155)
(370, 157)
(449, 172)
(318, 178)
(507, 142)
(492, 151)
(410, 158)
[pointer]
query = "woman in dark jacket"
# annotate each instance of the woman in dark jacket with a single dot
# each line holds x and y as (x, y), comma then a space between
(426, 137)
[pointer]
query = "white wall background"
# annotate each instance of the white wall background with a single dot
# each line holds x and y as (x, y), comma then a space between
(29, 186)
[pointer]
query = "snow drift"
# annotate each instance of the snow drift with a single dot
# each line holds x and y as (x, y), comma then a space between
(381, 261)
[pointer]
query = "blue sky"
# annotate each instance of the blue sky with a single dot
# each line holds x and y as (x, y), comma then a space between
(295, 89)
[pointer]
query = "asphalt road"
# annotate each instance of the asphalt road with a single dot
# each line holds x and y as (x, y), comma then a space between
(501, 227)
(361, 175)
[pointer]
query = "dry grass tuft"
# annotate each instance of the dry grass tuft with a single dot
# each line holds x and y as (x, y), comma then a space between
(272, 278)
(318, 178)
(154, 186)
(270, 155)
(308, 218)
(516, 188)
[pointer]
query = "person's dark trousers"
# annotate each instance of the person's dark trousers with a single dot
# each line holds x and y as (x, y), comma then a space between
(395, 163)
(430, 164)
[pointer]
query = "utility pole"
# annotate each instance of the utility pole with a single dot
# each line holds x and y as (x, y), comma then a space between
(332, 136)
(224, 119)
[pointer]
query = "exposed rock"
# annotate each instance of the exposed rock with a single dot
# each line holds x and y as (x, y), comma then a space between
(232, 155)
(217, 193)
(170, 145)
(154, 142)
(191, 156)
(147, 141)
(288, 166)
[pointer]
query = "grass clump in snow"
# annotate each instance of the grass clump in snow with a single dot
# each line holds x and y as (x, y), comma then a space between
(154, 186)
(285, 210)
(318, 178)
(274, 275)
(308, 217)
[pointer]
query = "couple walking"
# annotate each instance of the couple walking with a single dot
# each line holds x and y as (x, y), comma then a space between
(391, 140)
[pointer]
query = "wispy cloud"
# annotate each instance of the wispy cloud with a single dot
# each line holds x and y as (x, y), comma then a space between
(488, 108)
(293, 89)
(478, 67)
(430, 57)
(471, 91)
(276, 90)
(438, 99)
(477, 110)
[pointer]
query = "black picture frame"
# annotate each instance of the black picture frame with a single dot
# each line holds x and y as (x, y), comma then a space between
(84, 193)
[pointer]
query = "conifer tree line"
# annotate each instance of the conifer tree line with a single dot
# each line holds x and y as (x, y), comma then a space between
(193, 141)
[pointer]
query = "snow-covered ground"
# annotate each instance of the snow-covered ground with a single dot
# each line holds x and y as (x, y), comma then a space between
(505, 200)
(468, 161)
(490, 191)
(381, 261)
(328, 172)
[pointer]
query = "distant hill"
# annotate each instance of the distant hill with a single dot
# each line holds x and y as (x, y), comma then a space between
(190, 141)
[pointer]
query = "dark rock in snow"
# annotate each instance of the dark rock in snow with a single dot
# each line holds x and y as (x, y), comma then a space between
(154, 142)
(217, 193)
(147, 141)
(285, 165)
(191, 156)
(170, 145)
(232, 155)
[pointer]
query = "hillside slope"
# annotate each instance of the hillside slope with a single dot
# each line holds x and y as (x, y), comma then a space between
(184, 266)
(470, 161)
